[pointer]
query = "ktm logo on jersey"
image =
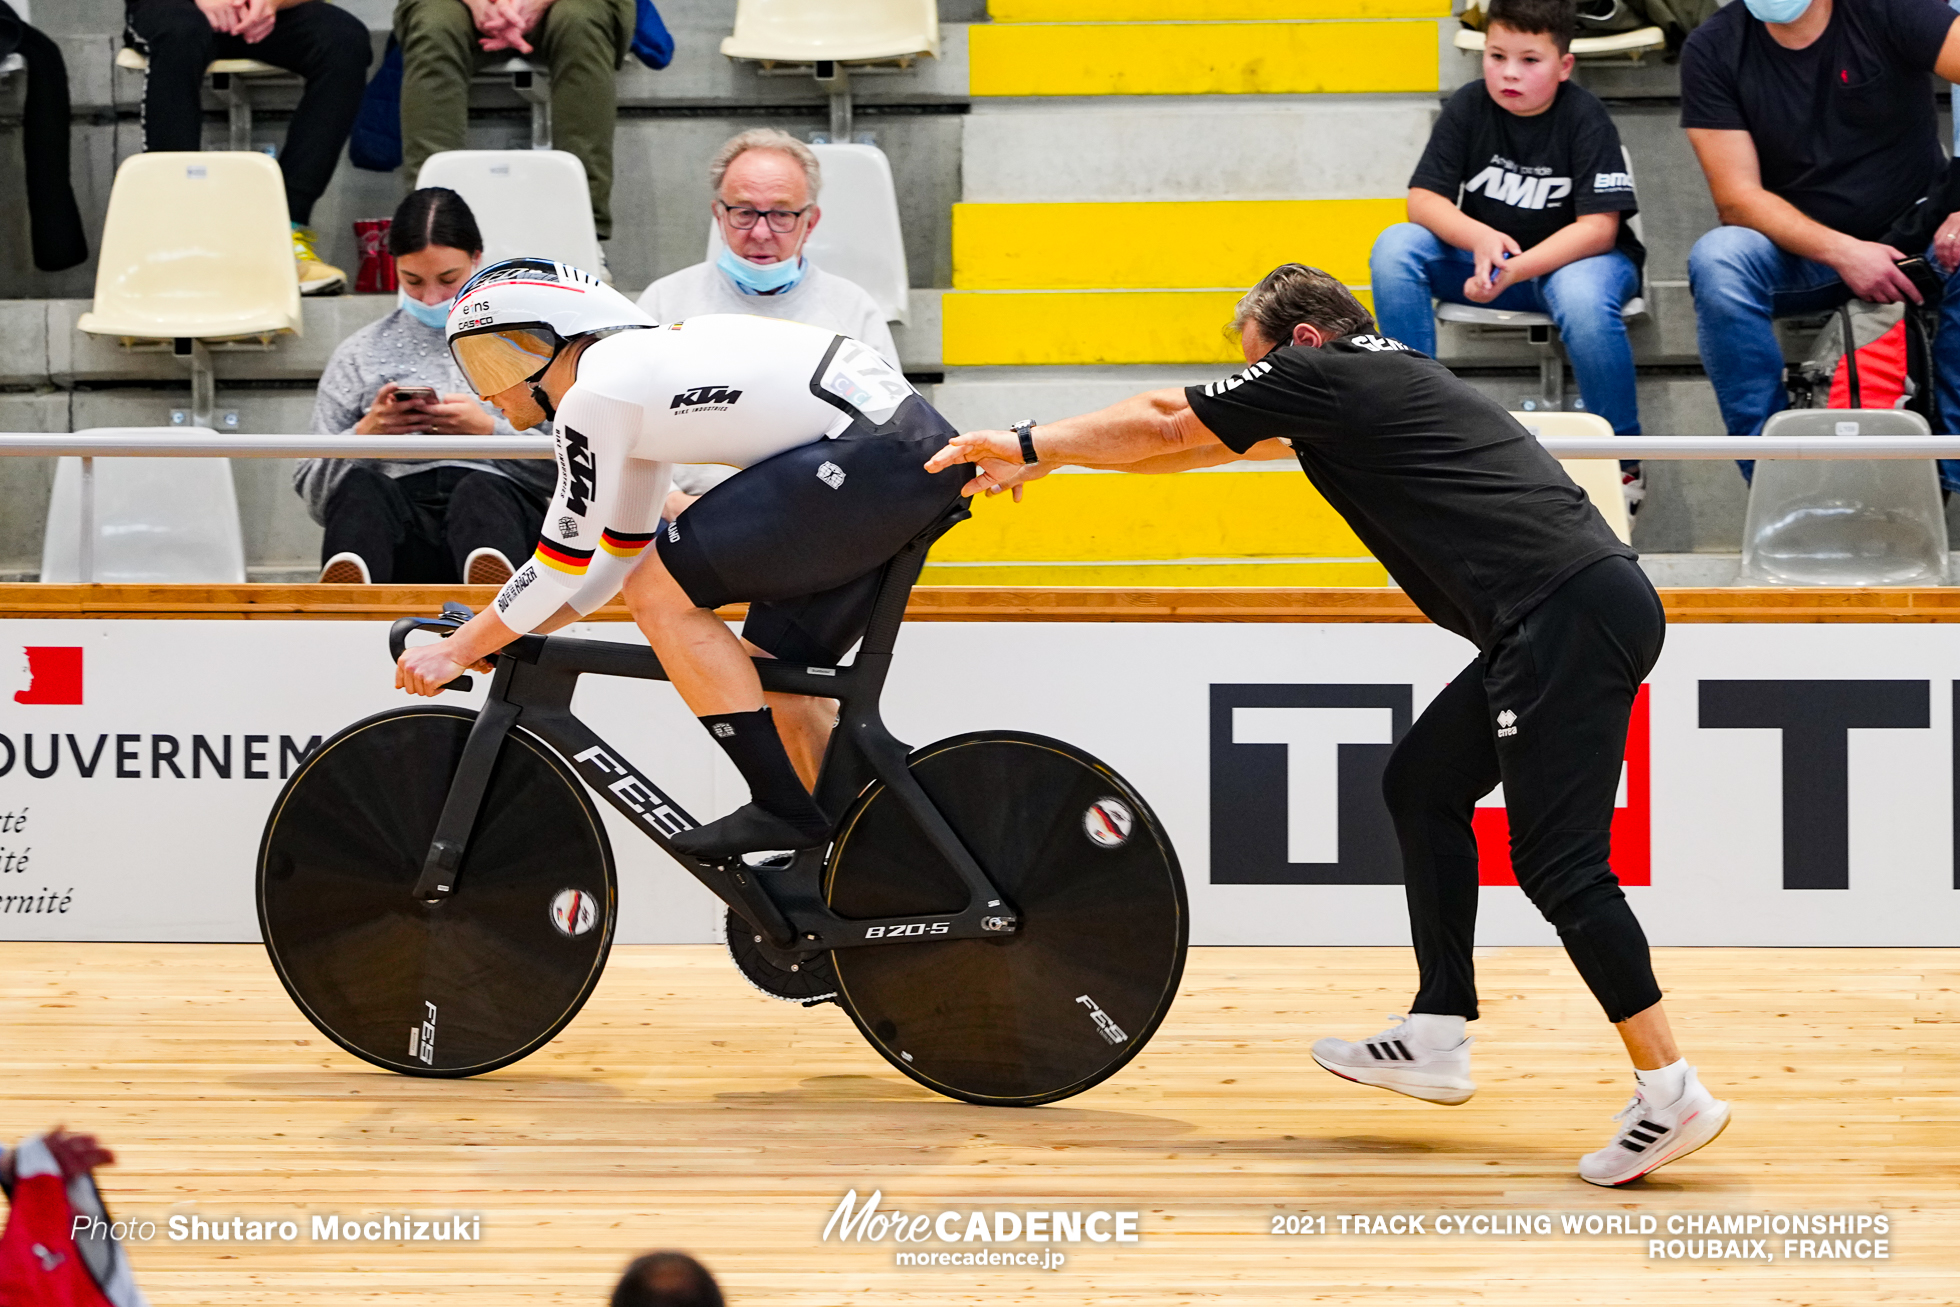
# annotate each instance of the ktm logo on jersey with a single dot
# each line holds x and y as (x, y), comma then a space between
(1518, 190)
(701, 395)
(581, 474)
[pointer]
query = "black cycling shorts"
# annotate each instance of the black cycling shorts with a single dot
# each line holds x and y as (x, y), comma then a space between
(804, 537)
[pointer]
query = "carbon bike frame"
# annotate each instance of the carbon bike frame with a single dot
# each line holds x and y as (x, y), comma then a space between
(532, 687)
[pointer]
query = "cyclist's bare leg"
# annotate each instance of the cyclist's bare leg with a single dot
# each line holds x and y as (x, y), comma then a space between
(804, 721)
(703, 658)
(712, 671)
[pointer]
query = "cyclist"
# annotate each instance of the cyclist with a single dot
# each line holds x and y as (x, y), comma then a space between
(830, 439)
(1491, 539)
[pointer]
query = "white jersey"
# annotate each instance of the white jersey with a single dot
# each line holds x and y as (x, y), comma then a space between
(725, 388)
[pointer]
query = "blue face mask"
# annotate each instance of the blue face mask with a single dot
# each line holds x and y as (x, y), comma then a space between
(760, 278)
(433, 316)
(1778, 11)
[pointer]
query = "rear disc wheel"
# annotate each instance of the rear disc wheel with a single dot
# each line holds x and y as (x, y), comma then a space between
(462, 986)
(1070, 997)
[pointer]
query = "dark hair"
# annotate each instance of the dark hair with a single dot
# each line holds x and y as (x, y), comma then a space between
(666, 1280)
(1293, 293)
(434, 215)
(1557, 19)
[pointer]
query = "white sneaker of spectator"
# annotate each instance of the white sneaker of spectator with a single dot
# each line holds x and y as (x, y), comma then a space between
(486, 567)
(345, 569)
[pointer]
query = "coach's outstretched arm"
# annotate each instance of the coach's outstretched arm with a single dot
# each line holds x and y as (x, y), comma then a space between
(1153, 432)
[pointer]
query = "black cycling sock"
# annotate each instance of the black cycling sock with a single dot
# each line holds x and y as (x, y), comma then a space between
(751, 743)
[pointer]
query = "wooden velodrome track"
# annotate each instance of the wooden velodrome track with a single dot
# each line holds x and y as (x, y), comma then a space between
(681, 1109)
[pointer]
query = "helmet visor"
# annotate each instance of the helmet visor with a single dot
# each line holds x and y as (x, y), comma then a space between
(495, 360)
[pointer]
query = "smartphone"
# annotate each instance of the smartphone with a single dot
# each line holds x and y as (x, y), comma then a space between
(1925, 279)
(415, 395)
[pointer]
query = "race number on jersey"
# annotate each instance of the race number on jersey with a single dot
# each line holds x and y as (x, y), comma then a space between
(859, 376)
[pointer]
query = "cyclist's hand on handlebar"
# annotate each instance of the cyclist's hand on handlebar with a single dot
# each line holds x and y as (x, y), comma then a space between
(426, 668)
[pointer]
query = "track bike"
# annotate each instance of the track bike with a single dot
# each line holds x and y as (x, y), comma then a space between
(1000, 913)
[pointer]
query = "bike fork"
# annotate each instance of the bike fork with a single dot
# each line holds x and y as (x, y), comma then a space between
(466, 791)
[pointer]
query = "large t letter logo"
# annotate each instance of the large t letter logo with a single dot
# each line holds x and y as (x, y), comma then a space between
(1313, 737)
(1296, 781)
(1814, 717)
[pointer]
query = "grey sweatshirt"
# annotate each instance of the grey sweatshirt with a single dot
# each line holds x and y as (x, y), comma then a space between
(397, 348)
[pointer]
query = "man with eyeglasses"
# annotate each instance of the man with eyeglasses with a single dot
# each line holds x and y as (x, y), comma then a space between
(765, 184)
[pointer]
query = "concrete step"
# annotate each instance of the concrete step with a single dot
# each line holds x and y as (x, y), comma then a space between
(1192, 148)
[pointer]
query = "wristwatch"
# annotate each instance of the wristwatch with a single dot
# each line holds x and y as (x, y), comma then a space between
(1025, 430)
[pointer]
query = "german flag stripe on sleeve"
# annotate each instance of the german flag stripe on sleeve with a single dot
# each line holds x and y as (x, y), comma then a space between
(624, 544)
(564, 558)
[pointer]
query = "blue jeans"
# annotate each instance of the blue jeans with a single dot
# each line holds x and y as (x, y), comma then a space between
(1410, 264)
(1741, 280)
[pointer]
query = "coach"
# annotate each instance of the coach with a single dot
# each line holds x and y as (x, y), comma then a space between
(1493, 541)
(1815, 124)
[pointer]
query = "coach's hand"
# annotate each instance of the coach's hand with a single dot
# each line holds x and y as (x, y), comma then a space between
(996, 459)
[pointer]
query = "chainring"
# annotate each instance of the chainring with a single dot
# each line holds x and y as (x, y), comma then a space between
(808, 981)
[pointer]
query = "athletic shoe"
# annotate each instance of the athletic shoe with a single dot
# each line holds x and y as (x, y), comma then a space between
(1655, 1136)
(1633, 486)
(604, 270)
(486, 567)
(345, 569)
(316, 276)
(1396, 1060)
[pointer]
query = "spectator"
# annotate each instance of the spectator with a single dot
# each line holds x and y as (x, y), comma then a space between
(433, 521)
(666, 1280)
(54, 220)
(763, 269)
(59, 1245)
(325, 45)
(1816, 127)
(582, 41)
(1541, 225)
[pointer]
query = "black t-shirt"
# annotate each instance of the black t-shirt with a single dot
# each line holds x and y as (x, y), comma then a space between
(1528, 177)
(1845, 128)
(1463, 506)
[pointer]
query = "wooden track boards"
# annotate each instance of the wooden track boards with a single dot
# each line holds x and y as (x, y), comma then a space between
(682, 1110)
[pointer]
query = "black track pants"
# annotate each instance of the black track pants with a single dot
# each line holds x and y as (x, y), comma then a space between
(1546, 712)
(420, 529)
(326, 46)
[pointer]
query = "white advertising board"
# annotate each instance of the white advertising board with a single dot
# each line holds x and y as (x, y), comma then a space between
(1785, 784)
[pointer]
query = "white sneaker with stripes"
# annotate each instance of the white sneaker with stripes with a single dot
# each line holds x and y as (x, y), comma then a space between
(1397, 1060)
(1653, 1135)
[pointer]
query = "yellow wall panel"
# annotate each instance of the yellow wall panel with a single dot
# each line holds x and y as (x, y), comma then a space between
(1202, 58)
(1155, 244)
(1187, 517)
(1008, 328)
(1202, 11)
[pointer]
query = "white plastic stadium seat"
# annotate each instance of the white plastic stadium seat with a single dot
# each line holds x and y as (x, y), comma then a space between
(1598, 477)
(138, 62)
(157, 520)
(859, 236)
(1632, 45)
(196, 245)
(807, 31)
(528, 203)
(1829, 521)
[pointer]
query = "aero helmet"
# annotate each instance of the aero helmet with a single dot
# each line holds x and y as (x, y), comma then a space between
(511, 320)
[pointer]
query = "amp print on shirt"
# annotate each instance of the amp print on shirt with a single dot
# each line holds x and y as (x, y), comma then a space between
(1519, 185)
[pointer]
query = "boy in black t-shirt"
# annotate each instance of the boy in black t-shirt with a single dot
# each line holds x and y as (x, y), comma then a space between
(1541, 223)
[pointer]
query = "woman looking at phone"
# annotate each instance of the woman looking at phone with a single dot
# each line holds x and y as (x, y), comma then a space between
(429, 521)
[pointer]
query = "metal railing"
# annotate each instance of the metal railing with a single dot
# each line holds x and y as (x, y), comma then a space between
(210, 444)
